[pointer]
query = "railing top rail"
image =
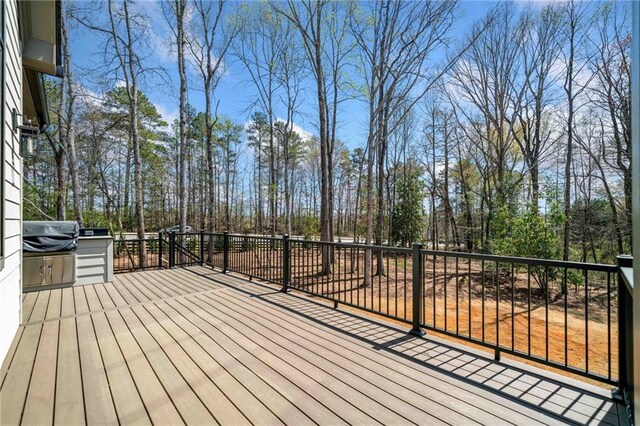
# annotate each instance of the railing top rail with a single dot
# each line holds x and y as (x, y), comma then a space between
(260, 237)
(394, 249)
(525, 260)
(475, 256)
(136, 240)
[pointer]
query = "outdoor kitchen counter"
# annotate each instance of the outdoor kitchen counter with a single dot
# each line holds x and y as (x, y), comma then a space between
(94, 260)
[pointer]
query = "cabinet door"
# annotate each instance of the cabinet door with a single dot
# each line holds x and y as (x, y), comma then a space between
(60, 269)
(33, 271)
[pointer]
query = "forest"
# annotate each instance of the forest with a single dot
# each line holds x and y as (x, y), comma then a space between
(505, 130)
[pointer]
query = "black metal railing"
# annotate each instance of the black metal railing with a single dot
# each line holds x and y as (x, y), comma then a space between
(625, 342)
(555, 313)
(568, 315)
(126, 255)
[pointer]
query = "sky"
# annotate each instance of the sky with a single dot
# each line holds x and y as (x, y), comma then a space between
(235, 92)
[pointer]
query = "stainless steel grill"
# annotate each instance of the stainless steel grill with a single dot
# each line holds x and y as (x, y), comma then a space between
(49, 253)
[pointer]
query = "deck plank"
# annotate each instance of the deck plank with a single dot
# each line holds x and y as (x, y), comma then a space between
(155, 285)
(129, 290)
(99, 406)
(404, 381)
(155, 398)
(115, 295)
(10, 354)
(134, 285)
(92, 298)
(54, 307)
(224, 411)
(389, 388)
(40, 309)
(187, 402)
(245, 350)
(16, 382)
(80, 298)
(105, 298)
(248, 388)
(466, 393)
(380, 405)
(123, 290)
(68, 304)
(38, 409)
(69, 402)
(127, 400)
(28, 304)
(192, 345)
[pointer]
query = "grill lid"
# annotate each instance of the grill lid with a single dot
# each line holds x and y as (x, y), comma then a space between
(48, 236)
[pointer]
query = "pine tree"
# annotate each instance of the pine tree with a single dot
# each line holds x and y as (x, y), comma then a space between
(408, 213)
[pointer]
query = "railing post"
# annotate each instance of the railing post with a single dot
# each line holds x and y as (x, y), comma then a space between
(201, 248)
(417, 290)
(172, 250)
(286, 263)
(625, 332)
(225, 252)
(160, 250)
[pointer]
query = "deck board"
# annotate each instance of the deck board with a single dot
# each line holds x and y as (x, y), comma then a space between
(355, 395)
(18, 376)
(355, 357)
(99, 407)
(126, 398)
(187, 402)
(193, 373)
(69, 401)
(393, 384)
(40, 308)
(200, 347)
(40, 401)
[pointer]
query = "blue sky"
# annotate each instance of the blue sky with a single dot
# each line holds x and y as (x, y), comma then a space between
(234, 92)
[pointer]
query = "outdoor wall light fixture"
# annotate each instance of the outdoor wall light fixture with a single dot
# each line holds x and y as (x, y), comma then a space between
(28, 135)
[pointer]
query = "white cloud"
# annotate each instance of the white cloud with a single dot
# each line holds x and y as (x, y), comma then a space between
(304, 134)
(168, 114)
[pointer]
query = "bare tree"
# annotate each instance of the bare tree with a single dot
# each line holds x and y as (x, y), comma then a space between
(69, 99)
(533, 127)
(209, 42)
(314, 21)
(575, 35)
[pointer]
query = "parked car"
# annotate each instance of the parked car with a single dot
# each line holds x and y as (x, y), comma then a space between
(176, 228)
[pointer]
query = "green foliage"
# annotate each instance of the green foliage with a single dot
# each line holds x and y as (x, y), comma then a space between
(408, 214)
(310, 227)
(528, 234)
(524, 235)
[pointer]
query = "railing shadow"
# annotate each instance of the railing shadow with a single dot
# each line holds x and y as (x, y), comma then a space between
(563, 398)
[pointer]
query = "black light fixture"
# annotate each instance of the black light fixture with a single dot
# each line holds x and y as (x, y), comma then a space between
(29, 134)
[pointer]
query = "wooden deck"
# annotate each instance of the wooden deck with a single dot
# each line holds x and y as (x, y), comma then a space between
(198, 347)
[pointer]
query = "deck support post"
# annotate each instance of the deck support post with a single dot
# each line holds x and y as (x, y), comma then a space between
(172, 250)
(225, 251)
(286, 263)
(160, 250)
(625, 335)
(201, 248)
(417, 291)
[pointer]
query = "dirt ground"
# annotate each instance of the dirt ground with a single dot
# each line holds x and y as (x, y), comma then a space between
(531, 318)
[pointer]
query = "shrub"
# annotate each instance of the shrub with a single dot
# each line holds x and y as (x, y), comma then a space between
(527, 235)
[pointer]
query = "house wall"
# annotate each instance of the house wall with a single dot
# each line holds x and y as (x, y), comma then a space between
(10, 275)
